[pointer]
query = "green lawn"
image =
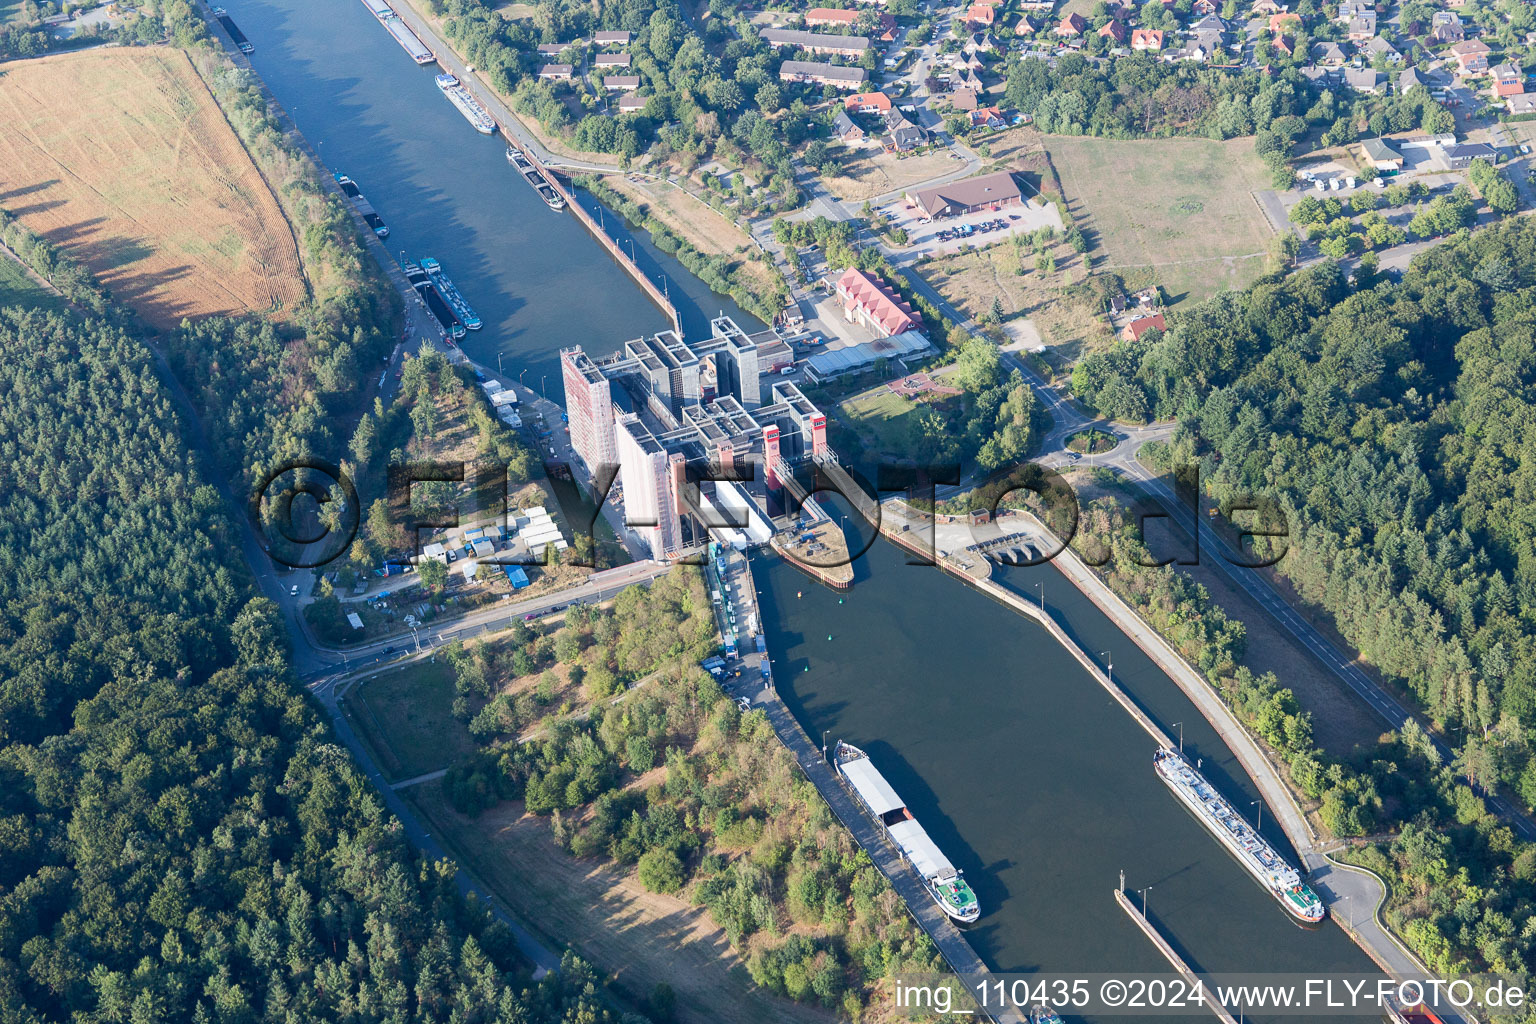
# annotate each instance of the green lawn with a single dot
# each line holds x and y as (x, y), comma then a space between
(16, 288)
(412, 711)
(1182, 209)
(882, 414)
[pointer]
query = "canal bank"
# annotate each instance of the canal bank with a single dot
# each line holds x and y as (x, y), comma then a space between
(1025, 771)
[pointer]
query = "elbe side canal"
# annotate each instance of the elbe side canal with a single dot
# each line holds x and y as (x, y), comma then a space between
(537, 278)
(1023, 770)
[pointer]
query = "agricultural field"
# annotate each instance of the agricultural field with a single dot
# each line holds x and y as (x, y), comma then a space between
(1182, 207)
(147, 185)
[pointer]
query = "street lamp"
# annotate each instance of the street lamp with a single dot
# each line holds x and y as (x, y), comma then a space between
(1041, 585)
(824, 733)
(1144, 900)
(1109, 673)
(499, 369)
(1180, 726)
(1260, 805)
(541, 387)
(520, 375)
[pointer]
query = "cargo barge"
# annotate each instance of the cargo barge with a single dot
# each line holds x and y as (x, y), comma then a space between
(408, 41)
(363, 206)
(242, 43)
(446, 289)
(541, 185)
(422, 282)
(470, 107)
(379, 9)
(945, 884)
(1241, 839)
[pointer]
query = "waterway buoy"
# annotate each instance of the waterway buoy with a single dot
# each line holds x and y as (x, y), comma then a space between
(829, 636)
(799, 594)
(839, 600)
(806, 669)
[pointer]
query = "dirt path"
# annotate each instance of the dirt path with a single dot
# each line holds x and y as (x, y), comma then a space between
(608, 917)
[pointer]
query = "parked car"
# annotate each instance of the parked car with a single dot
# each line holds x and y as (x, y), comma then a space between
(293, 591)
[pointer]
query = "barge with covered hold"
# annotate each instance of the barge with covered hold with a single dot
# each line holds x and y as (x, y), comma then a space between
(1241, 839)
(421, 281)
(370, 215)
(945, 883)
(546, 191)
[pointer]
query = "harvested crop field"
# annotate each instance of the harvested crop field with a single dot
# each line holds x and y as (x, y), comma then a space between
(122, 158)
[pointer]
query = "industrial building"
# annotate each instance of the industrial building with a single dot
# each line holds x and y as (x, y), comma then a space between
(668, 413)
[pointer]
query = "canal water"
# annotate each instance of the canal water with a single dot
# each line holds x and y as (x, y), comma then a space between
(537, 278)
(1027, 774)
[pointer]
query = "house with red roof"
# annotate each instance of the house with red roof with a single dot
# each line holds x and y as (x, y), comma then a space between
(1471, 56)
(981, 15)
(1141, 325)
(1113, 29)
(868, 103)
(870, 301)
(1146, 39)
(991, 117)
(1508, 80)
(818, 16)
(1072, 25)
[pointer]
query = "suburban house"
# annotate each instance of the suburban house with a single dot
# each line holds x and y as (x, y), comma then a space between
(1328, 54)
(1146, 39)
(1349, 8)
(1072, 25)
(1024, 26)
(980, 42)
(967, 80)
(1367, 80)
(1264, 8)
(1382, 156)
(981, 15)
(815, 42)
(631, 103)
(1471, 56)
(552, 49)
(1284, 22)
(1114, 30)
(990, 117)
(1524, 103)
(1508, 80)
(870, 301)
(1376, 46)
(621, 83)
(611, 60)
(819, 16)
(1204, 8)
(1446, 27)
(1141, 325)
(818, 73)
(901, 135)
(1408, 78)
(611, 38)
(963, 99)
(1362, 26)
(1285, 45)
(844, 129)
(996, 189)
(868, 103)
(556, 72)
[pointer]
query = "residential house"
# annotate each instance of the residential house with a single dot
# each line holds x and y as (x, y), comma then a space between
(1146, 39)
(980, 16)
(967, 79)
(1522, 103)
(963, 99)
(901, 135)
(1350, 8)
(816, 17)
(1376, 46)
(966, 196)
(818, 73)
(552, 49)
(611, 60)
(868, 300)
(1141, 325)
(1210, 23)
(1204, 8)
(1382, 156)
(885, 28)
(1284, 44)
(989, 117)
(1328, 54)
(1508, 80)
(1471, 57)
(1362, 26)
(1366, 80)
(621, 83)
(1446, 27)
(631, 103)
(1316, 75)
(868, 103)
(1283, 23)
(844, 129)
(1410, 78)
(556, 72)
(1264, 8)
(1114, 30)
(1024, 26)
(1072, 25)
(980, 42)
(611, 38)
(815, 42)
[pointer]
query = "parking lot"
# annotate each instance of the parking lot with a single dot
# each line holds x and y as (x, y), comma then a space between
(971, 230)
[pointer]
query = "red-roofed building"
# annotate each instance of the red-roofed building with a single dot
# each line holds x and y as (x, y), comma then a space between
(1141, 325)
(829, 16)
(870, 301)
(868, 103)
(1113, 30)
(1071, 25)
(1508, 80)
(991, 117)
(981, 15)
(1283, 22)
(1146, 39)
(1283, 44)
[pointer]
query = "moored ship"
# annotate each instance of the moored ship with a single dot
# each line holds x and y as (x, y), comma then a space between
(364, 207)
(408, 40)
(446, 289)
(546, 191)
(1241, 839)
(470, 107)
(422, 282)
(946, 885)
(379, 9)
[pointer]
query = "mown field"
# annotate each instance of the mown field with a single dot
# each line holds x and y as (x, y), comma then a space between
(1182, 207)
(122, 158)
